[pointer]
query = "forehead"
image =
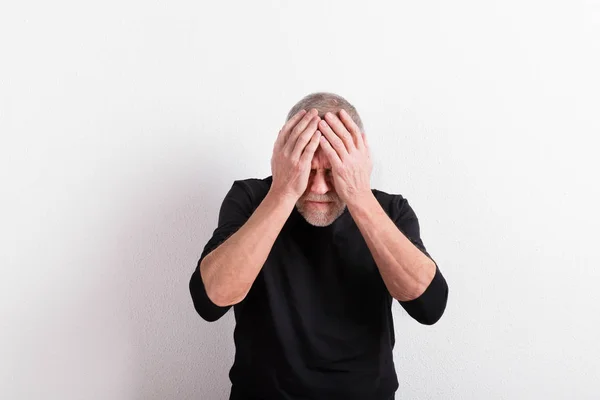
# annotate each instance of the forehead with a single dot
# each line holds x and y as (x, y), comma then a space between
(320, 160)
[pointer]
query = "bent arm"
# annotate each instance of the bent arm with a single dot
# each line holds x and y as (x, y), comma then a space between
(229, 271)
(411, 276)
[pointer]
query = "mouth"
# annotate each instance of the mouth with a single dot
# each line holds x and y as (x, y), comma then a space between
(318, 203)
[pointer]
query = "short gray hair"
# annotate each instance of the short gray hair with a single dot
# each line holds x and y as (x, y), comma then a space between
(324, 102)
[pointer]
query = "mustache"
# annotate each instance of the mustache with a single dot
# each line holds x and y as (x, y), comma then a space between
(321, 198)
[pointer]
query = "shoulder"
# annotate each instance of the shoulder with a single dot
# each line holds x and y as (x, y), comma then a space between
(394, 204)
(253, 189)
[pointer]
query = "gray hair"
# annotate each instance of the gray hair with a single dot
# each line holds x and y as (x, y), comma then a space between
(324, 102)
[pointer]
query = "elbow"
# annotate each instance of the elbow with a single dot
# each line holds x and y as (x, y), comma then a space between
(428, 308)
(433, 313)
(223, 299)
(209, 291)
(215, 299)
(430, 319)
(203, 303)
(205, 307)
(206, 314)
(221, 295)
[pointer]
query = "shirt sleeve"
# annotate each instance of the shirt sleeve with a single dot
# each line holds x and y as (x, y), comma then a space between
(234, 212)
(429, 307)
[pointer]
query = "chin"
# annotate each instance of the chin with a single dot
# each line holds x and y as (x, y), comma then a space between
(317, 221)
(321, 218)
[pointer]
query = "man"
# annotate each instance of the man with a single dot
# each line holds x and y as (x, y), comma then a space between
(311, 258)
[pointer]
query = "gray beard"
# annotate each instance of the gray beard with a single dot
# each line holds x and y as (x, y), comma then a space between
(321, 218)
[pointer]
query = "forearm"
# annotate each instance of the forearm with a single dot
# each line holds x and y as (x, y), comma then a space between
(406, 270)
(229, 271)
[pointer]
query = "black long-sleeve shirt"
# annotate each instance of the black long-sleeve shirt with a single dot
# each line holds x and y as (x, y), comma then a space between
(317, 321)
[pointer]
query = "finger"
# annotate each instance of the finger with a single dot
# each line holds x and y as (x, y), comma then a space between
(352, 128)
(280, 141)
(311, 147)
(340, 130)
(330, 152)
(296, 130)
(365, 141)
(304, 138)
(293, 139)
(334, 140)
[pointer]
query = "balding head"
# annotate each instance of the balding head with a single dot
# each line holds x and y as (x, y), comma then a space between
(326, 102)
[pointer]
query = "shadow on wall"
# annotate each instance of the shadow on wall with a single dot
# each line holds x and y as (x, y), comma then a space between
(178, 355)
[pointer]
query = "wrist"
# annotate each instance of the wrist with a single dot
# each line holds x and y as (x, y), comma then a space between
(361, 200)
(282, 198)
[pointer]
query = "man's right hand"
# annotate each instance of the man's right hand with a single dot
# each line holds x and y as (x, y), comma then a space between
(293, 152)
(229, 270)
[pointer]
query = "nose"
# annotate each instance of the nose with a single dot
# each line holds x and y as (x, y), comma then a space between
(318, 183)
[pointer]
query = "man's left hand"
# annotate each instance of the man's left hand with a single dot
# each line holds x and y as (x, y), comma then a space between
(347, 149)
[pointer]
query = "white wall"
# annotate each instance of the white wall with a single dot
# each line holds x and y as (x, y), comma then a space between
(124, 123)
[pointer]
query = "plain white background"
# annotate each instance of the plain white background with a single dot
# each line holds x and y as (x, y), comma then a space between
(124, 123)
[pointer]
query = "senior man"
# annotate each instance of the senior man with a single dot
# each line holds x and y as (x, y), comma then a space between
(311, 259)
